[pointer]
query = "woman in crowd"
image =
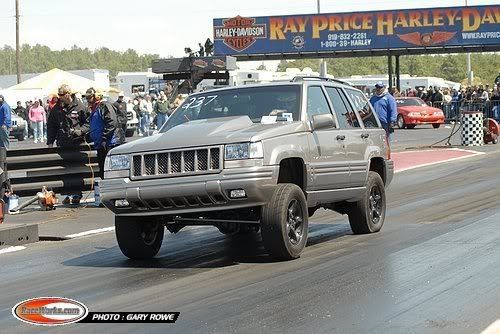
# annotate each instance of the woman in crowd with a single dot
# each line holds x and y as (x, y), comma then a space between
(38, 118)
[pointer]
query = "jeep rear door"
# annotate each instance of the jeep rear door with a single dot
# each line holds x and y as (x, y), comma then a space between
(328, 156)
(371, 138)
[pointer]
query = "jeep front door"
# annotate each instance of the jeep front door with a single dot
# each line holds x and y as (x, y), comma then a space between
(330, 169)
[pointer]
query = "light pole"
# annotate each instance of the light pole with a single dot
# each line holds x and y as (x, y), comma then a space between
(322, 62)
(18, 61)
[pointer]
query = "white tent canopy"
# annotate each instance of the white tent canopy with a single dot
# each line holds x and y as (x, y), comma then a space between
(46, 84)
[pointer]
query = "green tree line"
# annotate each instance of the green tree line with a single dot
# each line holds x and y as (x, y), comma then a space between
(485, 66)
(40, 58)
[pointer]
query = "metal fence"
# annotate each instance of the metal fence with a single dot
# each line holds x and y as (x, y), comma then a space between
(63, 170)
(452, 110)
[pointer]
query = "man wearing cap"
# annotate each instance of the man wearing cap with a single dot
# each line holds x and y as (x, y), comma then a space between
(105, 132)
(5, 123)
(385, 107)
(161, 109)
(121, 111)
(68, 122)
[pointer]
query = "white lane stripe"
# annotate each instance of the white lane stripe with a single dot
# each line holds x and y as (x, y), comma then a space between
(439, 162)
(11, 249)
(438, 150)
(82, 234)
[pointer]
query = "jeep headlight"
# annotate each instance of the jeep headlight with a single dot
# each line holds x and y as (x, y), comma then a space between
(243, 151)
(116, 162)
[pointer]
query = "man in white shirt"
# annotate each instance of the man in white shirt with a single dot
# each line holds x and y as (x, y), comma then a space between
(146, 107)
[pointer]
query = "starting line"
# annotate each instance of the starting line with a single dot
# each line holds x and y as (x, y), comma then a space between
(404, 161)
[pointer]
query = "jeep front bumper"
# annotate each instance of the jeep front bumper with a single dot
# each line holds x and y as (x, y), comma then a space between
(191, 194)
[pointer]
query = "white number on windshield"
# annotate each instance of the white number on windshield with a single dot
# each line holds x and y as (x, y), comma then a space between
(197, 102)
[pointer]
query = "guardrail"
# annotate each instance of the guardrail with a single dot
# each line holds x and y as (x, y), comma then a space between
(63, 170)
(490, 109)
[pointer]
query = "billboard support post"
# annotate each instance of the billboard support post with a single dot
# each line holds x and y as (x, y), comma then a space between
(322, 62)
(389, 67)
(398, 81)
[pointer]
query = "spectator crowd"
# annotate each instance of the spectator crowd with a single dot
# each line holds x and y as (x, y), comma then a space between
(480, 97)
(64, 118)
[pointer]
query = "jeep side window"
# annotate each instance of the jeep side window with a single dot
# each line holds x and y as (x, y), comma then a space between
(347, 119)
(363, 107)
(316, 102)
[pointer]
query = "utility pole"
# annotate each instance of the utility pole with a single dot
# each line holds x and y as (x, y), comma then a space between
(322, 62)
(470, 74)
(18, 61)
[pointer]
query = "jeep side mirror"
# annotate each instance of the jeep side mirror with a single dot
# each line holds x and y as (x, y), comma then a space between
(323, 121)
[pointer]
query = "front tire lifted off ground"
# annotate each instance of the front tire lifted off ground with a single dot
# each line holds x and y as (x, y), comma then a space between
(139, 238)
(284, 222)
(368, 214)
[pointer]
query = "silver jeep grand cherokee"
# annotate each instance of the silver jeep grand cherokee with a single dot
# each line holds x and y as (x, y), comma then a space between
(248, 158)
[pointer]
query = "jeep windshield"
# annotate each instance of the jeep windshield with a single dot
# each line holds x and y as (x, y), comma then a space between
(266, 104)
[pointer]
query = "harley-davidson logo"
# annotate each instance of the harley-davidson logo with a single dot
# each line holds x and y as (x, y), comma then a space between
(427, 39)
(200, 63)
(219, 63)
(239, 33)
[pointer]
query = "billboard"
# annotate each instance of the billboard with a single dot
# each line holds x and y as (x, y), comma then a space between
(361, 31)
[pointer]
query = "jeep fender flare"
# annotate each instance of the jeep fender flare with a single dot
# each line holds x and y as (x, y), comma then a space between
(375, 153)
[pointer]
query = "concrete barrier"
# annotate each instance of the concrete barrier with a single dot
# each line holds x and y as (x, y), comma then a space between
(18, 234)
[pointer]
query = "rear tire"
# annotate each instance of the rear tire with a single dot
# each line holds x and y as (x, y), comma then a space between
(285, 222)
(368, 214)
(401, 122)
(138, 238)
(436, 126)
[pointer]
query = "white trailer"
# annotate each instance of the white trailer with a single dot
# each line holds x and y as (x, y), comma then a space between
(127, 81)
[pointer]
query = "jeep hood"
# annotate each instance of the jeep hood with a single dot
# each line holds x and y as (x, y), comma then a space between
(215, 131)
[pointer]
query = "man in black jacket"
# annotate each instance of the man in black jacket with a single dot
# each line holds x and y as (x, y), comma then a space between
(24, 114)
(68, 122)
(121, 111)
(21, 111)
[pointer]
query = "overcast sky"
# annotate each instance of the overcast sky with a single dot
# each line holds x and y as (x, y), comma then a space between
(163, 27)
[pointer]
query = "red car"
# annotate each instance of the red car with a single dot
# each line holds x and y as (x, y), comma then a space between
(413, 111)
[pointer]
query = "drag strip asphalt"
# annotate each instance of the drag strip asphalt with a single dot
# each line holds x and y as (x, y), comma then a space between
(433, 268)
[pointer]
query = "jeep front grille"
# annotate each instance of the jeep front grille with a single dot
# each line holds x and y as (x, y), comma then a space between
(177, 163)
